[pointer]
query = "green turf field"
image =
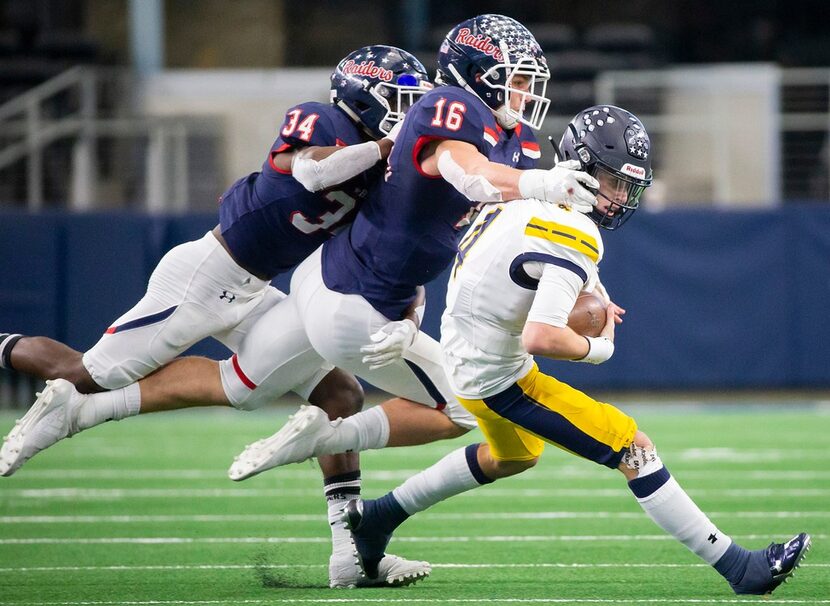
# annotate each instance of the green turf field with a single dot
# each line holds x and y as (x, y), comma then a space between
(141, 512)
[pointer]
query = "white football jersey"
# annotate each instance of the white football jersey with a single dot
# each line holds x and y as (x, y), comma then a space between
(520, 261)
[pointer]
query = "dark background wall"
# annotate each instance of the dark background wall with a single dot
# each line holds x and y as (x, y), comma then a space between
(715, 299)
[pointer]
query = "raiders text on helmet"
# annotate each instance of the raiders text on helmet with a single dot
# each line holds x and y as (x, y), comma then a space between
(375, 85)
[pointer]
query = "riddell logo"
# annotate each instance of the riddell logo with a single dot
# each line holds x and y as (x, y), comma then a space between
(367, 69)
(484, 44)
(634, 171)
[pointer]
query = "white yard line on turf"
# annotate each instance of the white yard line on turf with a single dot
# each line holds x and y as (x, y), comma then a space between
(425, 539)
(175, 567)
(413, 600)
(581, 472)
(315, 518)
(104, 494)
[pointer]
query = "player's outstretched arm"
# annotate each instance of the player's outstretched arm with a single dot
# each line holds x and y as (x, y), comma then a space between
(480, 180)
(318, 168)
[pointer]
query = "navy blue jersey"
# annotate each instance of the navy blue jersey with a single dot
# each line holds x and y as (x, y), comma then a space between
(407, 230)
(517, 148)
(268, 219)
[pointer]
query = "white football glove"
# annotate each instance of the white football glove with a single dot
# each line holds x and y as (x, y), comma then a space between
(389, 343)
(562, 184)
(393, 132)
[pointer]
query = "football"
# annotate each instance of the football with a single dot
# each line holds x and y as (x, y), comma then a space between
(587, 318)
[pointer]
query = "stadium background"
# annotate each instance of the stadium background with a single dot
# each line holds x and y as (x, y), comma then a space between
(121, 121)
(150, 108)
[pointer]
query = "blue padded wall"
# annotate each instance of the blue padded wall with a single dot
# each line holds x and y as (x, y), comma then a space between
(715, 299)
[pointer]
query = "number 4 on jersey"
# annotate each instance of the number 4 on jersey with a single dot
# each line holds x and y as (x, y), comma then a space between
(306, 127)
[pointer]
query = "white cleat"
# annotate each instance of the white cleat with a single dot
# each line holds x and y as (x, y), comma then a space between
(50, 419)
(397, 572)
(294, 443)
(345, 572)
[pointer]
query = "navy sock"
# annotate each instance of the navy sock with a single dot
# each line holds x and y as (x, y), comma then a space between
(386, 512)
(732, 563)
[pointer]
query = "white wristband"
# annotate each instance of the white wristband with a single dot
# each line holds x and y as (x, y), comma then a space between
(600, 349)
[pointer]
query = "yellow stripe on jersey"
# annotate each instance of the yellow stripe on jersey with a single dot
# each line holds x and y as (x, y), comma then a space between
(565, 235)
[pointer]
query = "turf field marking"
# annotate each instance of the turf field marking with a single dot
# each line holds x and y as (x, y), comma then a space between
(173, 567)
(582, 472)
(109, 494)
(627, 601)
(422, 539)
(315, 518)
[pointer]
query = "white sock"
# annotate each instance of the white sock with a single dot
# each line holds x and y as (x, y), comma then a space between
(364, 431)
(457, 472)
(105, 406)
(339, 490)
(665, 502)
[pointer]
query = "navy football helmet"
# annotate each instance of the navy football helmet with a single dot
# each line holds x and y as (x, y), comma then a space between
(497, 59)
(613, 146)
(375, 85)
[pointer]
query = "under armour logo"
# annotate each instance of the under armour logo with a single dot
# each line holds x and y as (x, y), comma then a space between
(516, 156)
(229, 296)
(712, 538)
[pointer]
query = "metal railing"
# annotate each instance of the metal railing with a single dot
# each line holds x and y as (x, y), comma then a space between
(797, 157)
(29, 127)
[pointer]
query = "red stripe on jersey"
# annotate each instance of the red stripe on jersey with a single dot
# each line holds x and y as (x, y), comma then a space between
(492, 133)
(273, 164)
(110, 330)
(340, 143)
(530, 145)
(440, 406)
(242, 376)
(416, 151)
(518, 129)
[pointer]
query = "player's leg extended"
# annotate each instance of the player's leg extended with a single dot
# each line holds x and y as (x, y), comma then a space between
(664, 500)
(45, 358)
(508, 450)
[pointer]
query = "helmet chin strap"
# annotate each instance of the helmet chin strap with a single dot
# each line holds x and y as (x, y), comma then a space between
(505, 118)
(356, 118)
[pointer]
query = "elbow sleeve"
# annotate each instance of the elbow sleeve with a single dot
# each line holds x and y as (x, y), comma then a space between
(339, 167)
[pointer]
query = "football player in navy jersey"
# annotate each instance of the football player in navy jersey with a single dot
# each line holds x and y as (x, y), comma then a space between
(460, 145)
(315, 176)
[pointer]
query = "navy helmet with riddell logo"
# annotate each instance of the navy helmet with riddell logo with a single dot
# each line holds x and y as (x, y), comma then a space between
(484, 54)
(612, 145)
(375, 85)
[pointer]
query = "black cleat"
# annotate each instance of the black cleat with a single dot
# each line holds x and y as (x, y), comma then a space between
(369, 540)
(768, 568)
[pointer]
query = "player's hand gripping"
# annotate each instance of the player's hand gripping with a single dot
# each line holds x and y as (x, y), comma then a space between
(601, 348)
(389, 343)
(562, 184)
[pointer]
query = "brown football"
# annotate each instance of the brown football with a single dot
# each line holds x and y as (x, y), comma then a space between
(588, 315)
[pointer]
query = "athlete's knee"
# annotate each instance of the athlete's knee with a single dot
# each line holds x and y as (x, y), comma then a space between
(640, 458)
(339, 394)
(454, 430)
(73, 370)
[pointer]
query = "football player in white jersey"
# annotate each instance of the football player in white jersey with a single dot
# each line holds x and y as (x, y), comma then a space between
(516, 277)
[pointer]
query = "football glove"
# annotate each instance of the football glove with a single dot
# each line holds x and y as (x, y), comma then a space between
(389, 343)
(562, 184)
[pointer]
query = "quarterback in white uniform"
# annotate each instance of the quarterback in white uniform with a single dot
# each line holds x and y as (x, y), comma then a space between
(522, 262)
(516, 277)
